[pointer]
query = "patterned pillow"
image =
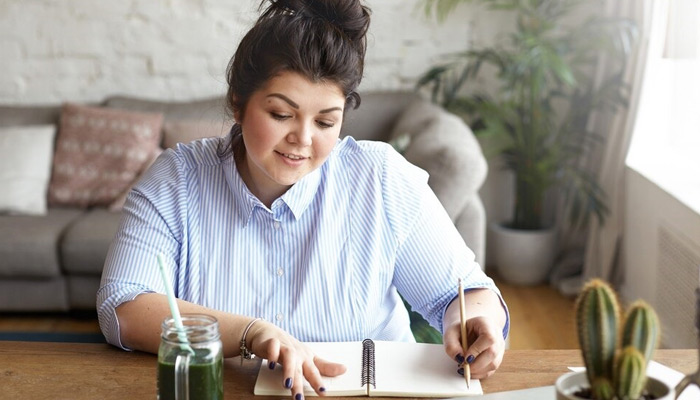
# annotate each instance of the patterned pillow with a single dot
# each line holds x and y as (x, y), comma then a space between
(99, 153)
(118, 203)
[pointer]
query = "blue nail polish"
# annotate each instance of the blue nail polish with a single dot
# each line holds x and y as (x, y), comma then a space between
(321, 389)
(299, 396)
(288, 383)
(470, 359)
(460, 371)
(459, 358)
(271, 364)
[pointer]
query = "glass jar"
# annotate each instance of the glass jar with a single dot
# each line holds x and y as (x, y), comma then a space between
(190, 363)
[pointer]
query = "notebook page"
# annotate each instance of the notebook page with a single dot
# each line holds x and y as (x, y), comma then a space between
(270, 382)
(418, 370)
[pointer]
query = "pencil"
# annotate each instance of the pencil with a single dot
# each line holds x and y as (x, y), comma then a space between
(463, 327)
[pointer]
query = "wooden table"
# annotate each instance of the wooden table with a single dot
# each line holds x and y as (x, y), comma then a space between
(34, 370)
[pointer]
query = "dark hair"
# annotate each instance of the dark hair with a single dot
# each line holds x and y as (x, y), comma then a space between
(323, 40)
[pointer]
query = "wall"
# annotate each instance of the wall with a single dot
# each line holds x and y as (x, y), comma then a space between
(661, 256)
(84, 50)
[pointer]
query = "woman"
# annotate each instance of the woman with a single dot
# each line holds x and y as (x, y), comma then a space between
(284, 221)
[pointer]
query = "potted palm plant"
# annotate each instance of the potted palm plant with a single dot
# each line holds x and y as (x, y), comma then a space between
(616, 360)
(536, 118)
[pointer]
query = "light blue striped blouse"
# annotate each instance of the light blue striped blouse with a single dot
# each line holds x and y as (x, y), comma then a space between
(324, 263)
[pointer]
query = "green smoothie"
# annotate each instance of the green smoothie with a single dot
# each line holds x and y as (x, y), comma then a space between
(206, 381)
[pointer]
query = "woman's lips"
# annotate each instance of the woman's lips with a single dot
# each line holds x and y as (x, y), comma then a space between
(291, 156)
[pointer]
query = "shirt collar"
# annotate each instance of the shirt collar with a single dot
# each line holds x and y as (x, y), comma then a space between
(302, 193)
(297, 198)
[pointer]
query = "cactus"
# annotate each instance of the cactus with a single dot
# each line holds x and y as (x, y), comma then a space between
(630, 374)
(613, 373)
(641, 329)
(597, 316)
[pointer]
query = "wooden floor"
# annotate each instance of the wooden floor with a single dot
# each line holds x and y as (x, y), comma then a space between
(541, 318)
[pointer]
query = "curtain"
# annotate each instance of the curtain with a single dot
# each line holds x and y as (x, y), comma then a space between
(599, 256)
(604, 241)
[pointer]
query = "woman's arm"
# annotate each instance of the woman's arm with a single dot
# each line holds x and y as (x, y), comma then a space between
(486, 319)
(140, 322)
(140, 326)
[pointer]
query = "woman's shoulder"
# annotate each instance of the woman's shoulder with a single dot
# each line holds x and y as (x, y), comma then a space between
(194, 155)
(350, 150)
(375, 157)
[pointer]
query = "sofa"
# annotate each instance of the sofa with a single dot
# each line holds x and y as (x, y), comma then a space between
(52, 260)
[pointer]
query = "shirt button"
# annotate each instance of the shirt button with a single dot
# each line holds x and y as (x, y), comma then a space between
(280, 272)
(277, 225)
(279, 316)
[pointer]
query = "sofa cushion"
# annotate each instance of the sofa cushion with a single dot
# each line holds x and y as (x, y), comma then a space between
(185, 131)
(82, 291)
(30, 245)
(184, 121)
(22, 295)
(86, 242)
(212, 109)
(376, 116)
(29, 115)
(25, 167)
(99, 153)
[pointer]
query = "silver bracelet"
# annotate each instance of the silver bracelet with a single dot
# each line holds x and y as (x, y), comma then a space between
(245, 353)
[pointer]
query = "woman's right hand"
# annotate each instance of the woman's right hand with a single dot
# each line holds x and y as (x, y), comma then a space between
(298, 361)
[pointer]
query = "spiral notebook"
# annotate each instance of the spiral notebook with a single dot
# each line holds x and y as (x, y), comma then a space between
(379, 368)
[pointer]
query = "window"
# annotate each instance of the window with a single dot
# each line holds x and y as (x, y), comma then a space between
(666, 140)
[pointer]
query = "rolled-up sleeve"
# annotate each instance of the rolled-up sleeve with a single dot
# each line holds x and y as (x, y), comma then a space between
(150, 224)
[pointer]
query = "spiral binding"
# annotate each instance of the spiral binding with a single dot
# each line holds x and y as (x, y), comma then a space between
(368, 363)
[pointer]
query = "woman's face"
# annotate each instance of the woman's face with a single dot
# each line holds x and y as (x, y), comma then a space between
(289, 128)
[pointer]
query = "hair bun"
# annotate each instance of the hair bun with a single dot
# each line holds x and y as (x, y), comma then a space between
(349, 16)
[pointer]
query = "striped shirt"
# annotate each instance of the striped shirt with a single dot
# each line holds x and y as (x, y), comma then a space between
(326, 262)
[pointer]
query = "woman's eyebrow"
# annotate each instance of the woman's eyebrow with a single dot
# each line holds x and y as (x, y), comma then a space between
(285, 98)
(296, 106)
(327, 110)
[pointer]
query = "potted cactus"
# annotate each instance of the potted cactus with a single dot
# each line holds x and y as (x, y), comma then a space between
(616, 359)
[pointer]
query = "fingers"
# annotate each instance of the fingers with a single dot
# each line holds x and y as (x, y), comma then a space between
(299, 365)
(486, 347)
(289, 370)
(453, 343)
(313, 376)
(327, 368)
(487, 352)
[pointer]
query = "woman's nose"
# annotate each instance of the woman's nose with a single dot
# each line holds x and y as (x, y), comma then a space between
(301, 135)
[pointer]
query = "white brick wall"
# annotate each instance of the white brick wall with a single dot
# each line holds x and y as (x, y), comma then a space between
(85, 50)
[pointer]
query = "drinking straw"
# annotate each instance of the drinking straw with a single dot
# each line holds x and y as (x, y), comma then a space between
(173, 307)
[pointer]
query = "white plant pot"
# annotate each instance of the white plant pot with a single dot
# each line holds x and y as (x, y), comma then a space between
(523, 257)
(568, 384)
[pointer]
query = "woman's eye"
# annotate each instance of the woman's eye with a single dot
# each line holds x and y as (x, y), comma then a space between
(279, 117)
(324, 124)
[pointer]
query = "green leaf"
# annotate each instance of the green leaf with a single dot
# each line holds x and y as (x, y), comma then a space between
(547, 87)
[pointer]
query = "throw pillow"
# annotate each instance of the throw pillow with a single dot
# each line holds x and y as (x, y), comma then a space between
(25, 168)
(117, 204)
(99, 153)
(185, 131)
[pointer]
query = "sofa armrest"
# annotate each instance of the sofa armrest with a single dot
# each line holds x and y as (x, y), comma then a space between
(444, 146)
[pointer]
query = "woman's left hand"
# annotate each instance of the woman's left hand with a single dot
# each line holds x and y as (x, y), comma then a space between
(486, 345)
